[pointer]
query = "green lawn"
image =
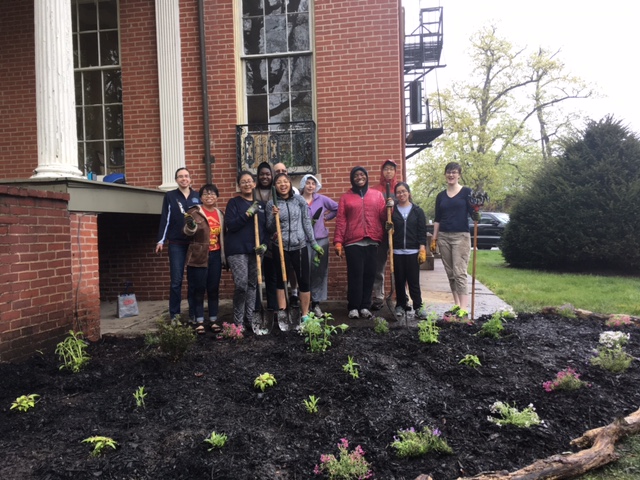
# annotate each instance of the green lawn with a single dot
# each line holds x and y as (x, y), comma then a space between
(530, 290)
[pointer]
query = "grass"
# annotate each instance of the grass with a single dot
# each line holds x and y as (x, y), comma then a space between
(531, 290)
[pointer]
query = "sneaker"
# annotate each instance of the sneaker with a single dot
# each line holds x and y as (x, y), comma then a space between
(399, 311)
(317, 311)
(294, 301)
(377, 304)
(364, 313)
(422, 313)
(354, 313)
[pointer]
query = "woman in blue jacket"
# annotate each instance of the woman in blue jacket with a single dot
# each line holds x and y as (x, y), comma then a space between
(409, 250)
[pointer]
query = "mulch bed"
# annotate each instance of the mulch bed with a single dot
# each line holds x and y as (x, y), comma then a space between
(403, 383)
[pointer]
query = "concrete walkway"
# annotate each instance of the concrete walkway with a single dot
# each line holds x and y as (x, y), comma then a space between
(435, 293)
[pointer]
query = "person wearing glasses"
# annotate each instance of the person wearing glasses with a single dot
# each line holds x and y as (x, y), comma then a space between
(174, 206)
(451, 232)
(240, 248)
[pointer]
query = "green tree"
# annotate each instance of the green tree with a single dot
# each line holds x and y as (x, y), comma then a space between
(581, 211)
(490, 120)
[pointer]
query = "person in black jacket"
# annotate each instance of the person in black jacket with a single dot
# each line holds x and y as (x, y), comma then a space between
(409, 250)
(174, 206)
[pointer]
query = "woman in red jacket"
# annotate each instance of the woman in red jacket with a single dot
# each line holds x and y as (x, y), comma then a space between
(359, 230)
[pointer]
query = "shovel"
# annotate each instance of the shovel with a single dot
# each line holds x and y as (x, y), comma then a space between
(389, 300)
(262, 322)
(477, 199)
(288, 323)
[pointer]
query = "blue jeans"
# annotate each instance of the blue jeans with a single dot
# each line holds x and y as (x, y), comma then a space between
(177, 260)
(214, 274)
(197, 279)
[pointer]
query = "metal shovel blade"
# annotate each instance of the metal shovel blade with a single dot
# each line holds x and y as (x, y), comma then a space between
(262, 323)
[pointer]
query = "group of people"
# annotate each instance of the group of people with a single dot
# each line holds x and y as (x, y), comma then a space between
(368, 221)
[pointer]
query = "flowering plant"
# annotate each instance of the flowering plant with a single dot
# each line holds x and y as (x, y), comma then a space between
(411, 443)
(348, 465)
(231, 330)
(567, 379)
(618, 320)
(512, 416)
(610, 354)
(611, 339)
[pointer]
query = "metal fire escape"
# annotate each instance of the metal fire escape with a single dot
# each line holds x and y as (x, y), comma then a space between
(422, 50)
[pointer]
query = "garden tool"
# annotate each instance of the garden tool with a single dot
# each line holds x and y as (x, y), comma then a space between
(262, 322)
(289, 322)
(477, 199)
(316, 216)
(389, 299)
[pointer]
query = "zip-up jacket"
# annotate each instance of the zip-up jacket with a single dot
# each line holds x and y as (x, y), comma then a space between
(174, 206)
(360, 216)
(329, 211)
(411, 233)
(294, 222)
(239, 228)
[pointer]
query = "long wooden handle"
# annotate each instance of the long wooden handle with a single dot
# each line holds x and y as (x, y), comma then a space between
(473, 269)
(390, 233)
(281, 248)
(257, 237)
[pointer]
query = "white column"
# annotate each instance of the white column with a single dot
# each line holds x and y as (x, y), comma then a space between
(55, 94)
(170, 85)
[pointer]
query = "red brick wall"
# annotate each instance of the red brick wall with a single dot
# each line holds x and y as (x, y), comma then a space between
(18, 140)
(36, 298)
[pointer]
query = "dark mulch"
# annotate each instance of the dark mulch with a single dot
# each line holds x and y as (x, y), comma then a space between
(402, 384)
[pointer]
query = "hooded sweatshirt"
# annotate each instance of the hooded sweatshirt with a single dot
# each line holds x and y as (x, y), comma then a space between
(361, 214)
(382, 185)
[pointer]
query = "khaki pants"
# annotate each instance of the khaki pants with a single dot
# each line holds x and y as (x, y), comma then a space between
(455, 248)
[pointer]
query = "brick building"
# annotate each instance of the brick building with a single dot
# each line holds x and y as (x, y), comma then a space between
(97, 91)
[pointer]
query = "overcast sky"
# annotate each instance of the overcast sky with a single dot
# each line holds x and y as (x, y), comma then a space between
(598, 42)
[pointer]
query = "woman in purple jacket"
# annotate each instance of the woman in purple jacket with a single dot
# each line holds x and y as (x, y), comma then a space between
(321, 208)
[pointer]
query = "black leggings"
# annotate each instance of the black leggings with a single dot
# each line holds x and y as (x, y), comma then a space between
(299, 260)
(407, 273)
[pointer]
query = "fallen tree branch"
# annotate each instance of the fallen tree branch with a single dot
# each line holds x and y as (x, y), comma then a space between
(601, 440)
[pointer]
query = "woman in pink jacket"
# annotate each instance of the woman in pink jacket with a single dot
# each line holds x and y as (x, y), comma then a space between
(359, 230)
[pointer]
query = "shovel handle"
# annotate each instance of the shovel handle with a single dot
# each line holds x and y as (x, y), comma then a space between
(280, 246)
(473, 270)
(390, 234)
(257, 238)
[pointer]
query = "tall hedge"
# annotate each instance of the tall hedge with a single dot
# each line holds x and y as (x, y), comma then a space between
(583, 211)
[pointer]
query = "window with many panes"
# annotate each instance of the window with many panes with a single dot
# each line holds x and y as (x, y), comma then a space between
(98, 85)
(277, 60)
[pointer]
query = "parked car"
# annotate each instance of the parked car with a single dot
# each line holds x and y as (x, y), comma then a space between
(490, 229)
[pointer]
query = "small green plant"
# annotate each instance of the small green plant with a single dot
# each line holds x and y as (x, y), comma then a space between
(470, 361)
(456, 315)
(512, 416)
(380, 326)
(428, 331)
(351, 367)
(312, 404)
(72, 352)
(567, 311)
(611, 355)
(264, 380)
(492, 328)
(411, 443)
(24, 403)
(175, 339)
(140, 395)
(318, 331)
(567, 379)
(100, 443)
(216, 440)
(151, 340)
(346, 466)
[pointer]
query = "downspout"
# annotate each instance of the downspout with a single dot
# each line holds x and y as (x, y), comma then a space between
(205, 94)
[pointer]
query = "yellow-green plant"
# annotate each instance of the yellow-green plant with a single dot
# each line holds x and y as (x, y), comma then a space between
(264, 380)
(216, 440)
(318, 331)
(470, 361)
(72, 352)
(428, 331)
(412, 443)
(312, 404)
(351, 367)
(24, 403)
(140, 395)
(512, 416)
(380, 326)
(100, 443)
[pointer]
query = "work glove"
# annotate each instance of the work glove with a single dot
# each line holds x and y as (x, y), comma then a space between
(319, 250)
(434, 246)
(339, 250)
(251, 211)
(476, 216)
(260, 249)
(422, 256)
(390, 202)
(388, 226)
(190, 221)
(316, 260)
